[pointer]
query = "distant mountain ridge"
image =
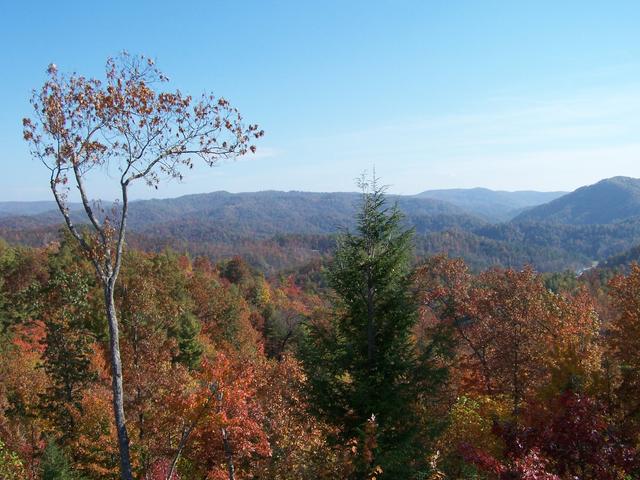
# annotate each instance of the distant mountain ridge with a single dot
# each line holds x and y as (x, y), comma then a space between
(8, 209)
(260, 214)
(493, 205)
(609, 201)
(490, 205)
(277, 230)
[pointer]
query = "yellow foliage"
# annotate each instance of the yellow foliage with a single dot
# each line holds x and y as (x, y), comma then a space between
(471, 421)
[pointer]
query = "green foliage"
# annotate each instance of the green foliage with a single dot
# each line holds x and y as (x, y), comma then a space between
(190, 349)
(11, 467)
(362, 367)
(68, 346)
(562, 282)
(21, 274)
(55, 465)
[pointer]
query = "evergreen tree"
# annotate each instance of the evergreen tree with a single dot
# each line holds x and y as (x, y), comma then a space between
(68, 346)
(54, 464)
(363, 368)
(190, 349)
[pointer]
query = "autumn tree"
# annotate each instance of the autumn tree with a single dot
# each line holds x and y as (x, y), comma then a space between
(568, 438)
(623, 343)
(11, 467)
(22, 271)
(22, 382)
(298, 439)
(224, 313)
(127, 126)
(512, 335)
(151, 299)
(222, 432)
(290, 309)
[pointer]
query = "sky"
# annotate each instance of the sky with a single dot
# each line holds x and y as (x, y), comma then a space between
(527, 95)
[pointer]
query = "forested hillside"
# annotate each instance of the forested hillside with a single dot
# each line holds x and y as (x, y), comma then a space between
(490, 204)
(512, 372)
(252, 214)
(608, 201)
(282, 230)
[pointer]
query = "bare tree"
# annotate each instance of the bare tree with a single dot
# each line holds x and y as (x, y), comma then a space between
(124, 124)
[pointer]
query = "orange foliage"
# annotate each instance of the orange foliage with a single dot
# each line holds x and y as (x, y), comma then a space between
(222, 402)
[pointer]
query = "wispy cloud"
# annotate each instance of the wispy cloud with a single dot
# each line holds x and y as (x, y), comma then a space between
(545, 143)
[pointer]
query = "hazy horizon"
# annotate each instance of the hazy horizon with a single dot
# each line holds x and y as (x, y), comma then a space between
(158, 195)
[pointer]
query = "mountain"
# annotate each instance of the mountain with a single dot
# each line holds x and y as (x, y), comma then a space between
(609, 201)
(623, 260)
(272, 230)
(259, 214)
(8, 209)
(271, 212)
(280, 230)
(491, 204)
(303, 220)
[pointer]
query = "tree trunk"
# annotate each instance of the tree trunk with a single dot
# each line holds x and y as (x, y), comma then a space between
(116, 383)
(231, 469)
(371, 326)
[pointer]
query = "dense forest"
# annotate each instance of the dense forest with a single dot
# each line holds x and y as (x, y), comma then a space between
(372, 363)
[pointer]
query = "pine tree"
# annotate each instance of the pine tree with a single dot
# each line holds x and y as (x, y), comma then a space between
(54, 464)
(364, 371)
(67, 349)
(190, 349)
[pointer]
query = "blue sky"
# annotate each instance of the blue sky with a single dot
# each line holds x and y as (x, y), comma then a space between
(436, 94)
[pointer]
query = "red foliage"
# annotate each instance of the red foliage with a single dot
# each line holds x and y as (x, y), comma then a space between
(569, 439)
(224, 405)
(159, 471)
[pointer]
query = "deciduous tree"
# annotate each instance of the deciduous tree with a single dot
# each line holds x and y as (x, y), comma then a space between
(624, 344)
(124, 124)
